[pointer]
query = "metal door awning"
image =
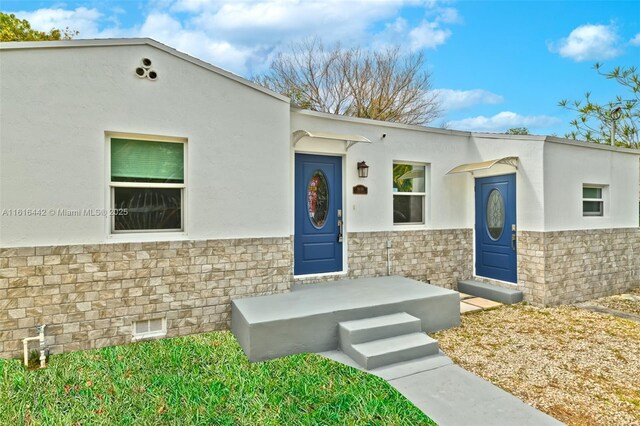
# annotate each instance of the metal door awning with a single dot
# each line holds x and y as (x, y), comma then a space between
(484, 165)
(349, 139)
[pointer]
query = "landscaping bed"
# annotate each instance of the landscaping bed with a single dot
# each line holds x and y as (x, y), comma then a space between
(203, 379)
(578, 366)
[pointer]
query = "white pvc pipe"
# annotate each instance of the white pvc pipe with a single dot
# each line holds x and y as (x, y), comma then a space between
(25, 345)
(40, 338)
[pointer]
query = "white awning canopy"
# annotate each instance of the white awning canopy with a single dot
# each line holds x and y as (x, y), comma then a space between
(349, 139)
(472, 167)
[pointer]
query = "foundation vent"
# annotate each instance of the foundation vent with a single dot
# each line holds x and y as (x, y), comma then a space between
(148, 329)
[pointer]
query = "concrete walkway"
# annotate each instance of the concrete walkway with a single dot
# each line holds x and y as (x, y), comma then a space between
(451, 395)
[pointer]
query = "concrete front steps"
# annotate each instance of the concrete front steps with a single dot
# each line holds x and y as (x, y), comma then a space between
(383, 340)
(491, 292)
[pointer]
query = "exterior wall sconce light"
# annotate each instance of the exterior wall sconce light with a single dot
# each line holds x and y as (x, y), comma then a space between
(363, 169)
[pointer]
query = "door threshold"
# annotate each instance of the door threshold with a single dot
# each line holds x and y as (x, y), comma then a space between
(320, 275)
(495, 280)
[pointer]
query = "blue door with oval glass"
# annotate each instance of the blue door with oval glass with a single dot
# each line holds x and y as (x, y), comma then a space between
(496, 228)
(318, 214)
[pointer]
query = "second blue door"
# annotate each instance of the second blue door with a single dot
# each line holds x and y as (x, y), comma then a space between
(496, 228)
(318, 214)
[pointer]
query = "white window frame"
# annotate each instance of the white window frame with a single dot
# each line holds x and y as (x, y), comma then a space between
(112, 185)
(148, 334)
(601, 200)
(416, 194)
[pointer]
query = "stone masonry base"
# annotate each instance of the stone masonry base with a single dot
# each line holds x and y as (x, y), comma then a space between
(572, 266)
(440, 257)
(90, 295)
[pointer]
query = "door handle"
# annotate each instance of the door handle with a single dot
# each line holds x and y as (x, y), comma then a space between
(513, 237)
(340, 224)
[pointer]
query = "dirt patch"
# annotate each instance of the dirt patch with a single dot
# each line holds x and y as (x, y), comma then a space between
(580, 367)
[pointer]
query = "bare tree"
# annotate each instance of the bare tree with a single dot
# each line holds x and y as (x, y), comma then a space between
(383, 85)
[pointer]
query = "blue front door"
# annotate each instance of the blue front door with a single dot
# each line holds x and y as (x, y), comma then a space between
(318, 214)
(496, 228)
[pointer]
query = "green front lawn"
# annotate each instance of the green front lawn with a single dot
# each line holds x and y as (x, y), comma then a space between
(204, 379)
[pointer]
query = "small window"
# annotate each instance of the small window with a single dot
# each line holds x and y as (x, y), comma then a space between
(409, 191)
(147, 185)
(146, 329)
(592, 200)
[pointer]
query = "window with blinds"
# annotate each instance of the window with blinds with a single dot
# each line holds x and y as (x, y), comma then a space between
(147, 185)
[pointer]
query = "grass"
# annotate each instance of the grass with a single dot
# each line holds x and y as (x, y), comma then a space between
(204, 379)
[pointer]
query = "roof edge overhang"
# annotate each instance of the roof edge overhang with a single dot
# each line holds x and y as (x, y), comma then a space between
(484, 165)
(349, 139)
(21, 45)
(378, 123)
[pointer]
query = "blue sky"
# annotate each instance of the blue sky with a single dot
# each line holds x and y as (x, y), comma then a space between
(495, 64)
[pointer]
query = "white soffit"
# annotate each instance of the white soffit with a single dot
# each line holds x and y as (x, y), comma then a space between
(349, 139)
(472, 167)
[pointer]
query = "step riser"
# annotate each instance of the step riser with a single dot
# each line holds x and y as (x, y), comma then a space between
(490, 292)
(354, 337)
(391, 350)
(403, 355)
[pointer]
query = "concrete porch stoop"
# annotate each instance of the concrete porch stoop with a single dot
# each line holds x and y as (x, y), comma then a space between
(379, 321)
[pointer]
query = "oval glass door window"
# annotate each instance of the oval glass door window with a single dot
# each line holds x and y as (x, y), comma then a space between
(495, 214)
(318, 199)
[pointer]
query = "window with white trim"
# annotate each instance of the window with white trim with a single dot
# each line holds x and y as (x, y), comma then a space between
(146, 329)
(409, 193)
(593, 200)
(147, 185)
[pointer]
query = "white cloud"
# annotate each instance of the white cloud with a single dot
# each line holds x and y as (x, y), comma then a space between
(80, 19)
(450, 15)
(166, 29)
(275, 22)
(243, 36)
(636, 40)
(503, 121)
(589, 42)
(460, 99)
(428, 35)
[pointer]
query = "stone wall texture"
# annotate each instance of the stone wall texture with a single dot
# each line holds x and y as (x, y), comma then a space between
(441, 256)
(572, 266)
(89, 295)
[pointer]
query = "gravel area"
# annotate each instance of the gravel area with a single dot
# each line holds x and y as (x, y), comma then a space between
(628, 303)
(580, 367)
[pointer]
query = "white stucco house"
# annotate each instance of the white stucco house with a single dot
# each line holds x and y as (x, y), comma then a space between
(142, 189)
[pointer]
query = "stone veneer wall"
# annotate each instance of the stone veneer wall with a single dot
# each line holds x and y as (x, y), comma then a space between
(531, 264)
(440, 256)
(89, 295)
(572, 266)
